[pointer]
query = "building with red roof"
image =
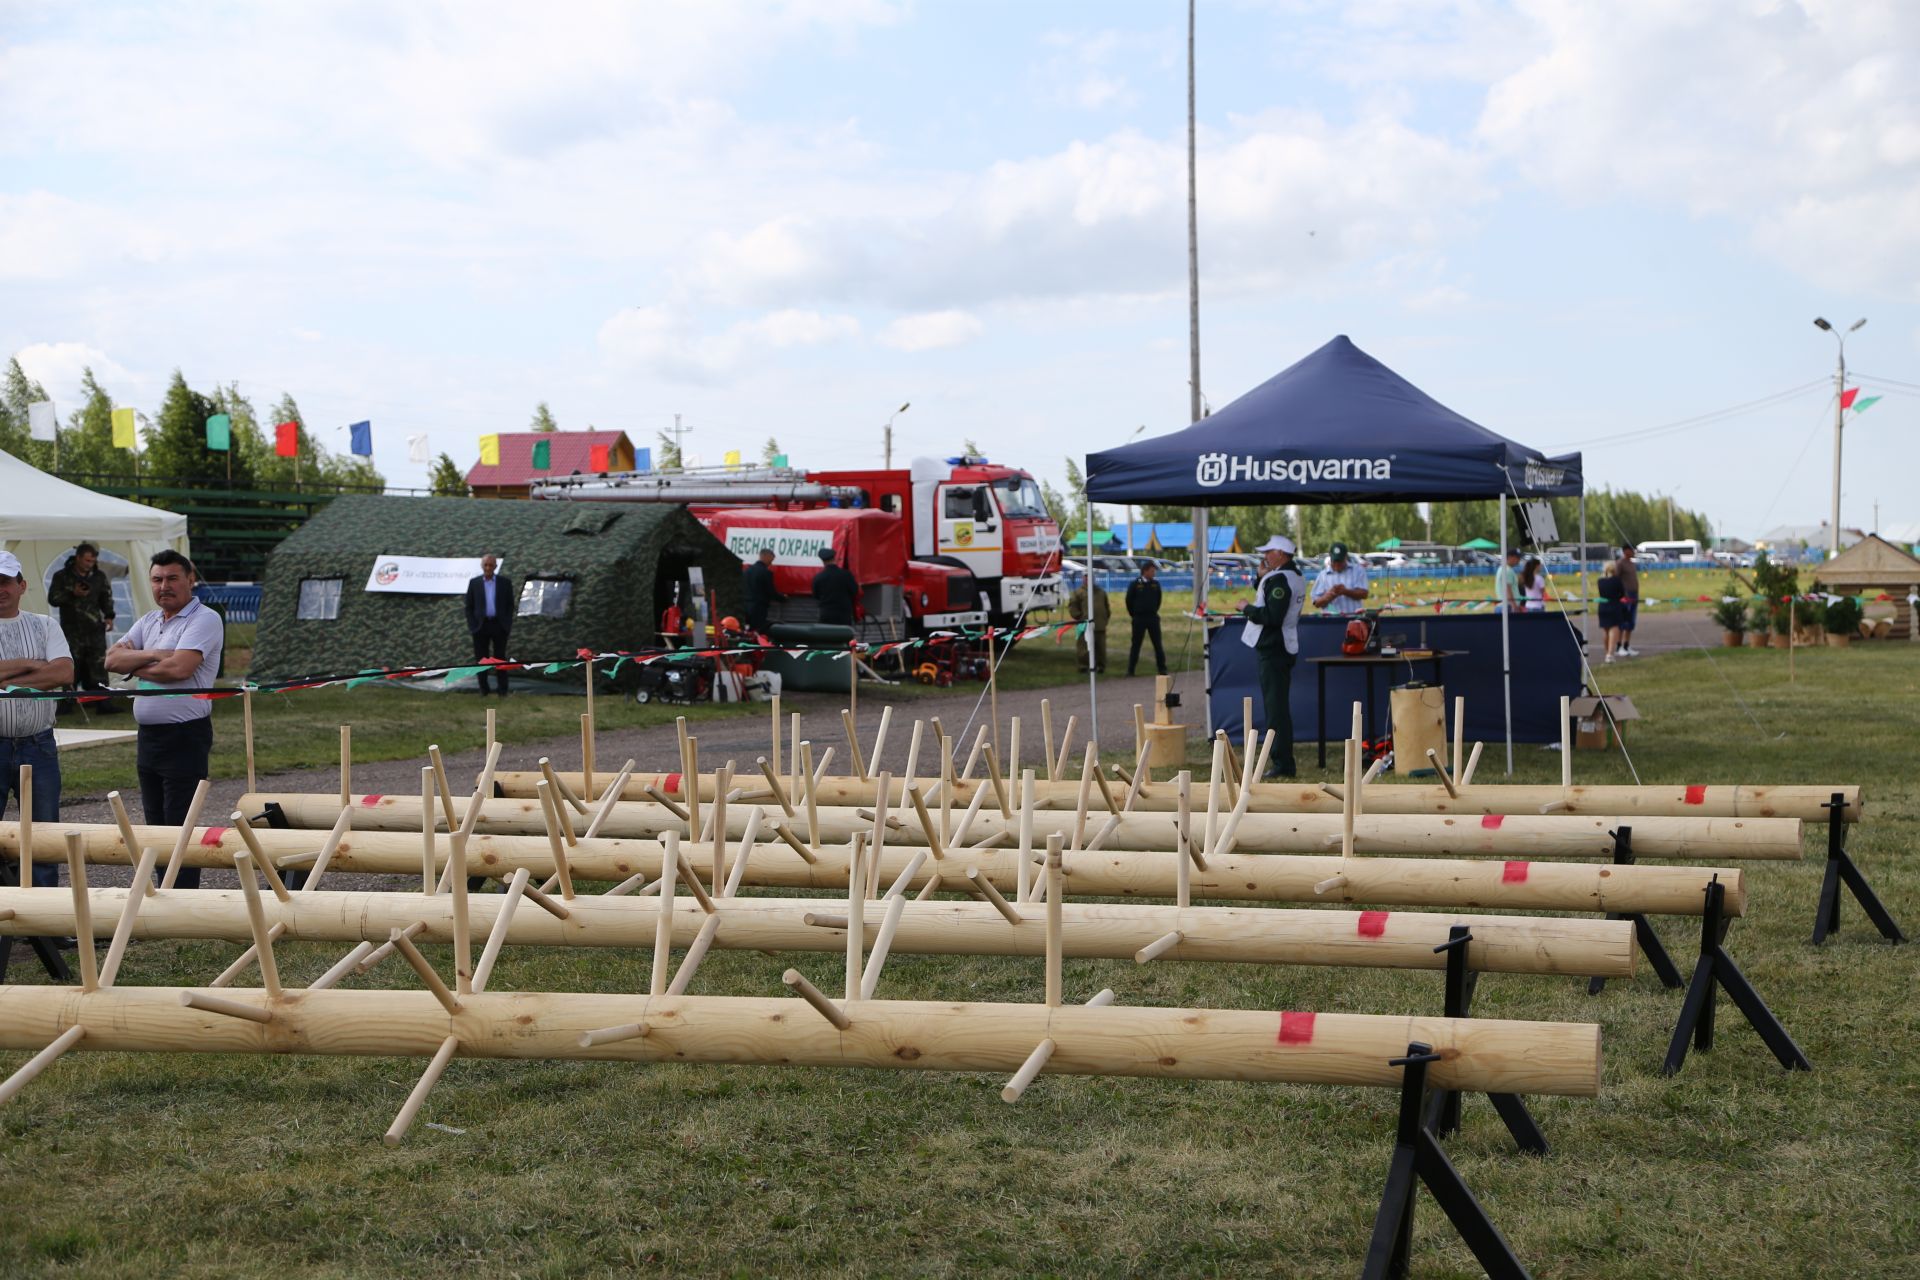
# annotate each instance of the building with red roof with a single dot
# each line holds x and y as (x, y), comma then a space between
(569, 453)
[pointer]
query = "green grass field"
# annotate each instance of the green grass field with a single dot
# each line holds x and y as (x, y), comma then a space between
(142, 1166)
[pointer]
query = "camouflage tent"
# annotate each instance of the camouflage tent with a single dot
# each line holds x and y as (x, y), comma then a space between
(588, 575)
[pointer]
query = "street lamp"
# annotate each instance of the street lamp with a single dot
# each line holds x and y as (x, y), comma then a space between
(905, 405)
(1839, 416)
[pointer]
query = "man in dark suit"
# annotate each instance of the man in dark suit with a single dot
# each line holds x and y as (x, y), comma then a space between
(760, 590)
(835, 591)
(1143, 609)
(490, 605)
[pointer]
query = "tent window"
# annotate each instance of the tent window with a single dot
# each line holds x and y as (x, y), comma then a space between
(545, 597)
(319, 599)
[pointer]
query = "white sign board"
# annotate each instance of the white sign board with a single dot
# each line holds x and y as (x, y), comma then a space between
(425, 575)
(790, 546)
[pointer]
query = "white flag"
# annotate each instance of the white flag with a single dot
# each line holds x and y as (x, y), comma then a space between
(40, 419)
(417, 449)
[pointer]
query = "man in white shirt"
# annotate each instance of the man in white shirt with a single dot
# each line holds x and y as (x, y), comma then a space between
(33, 655)
(177, 646)
(1342, 586)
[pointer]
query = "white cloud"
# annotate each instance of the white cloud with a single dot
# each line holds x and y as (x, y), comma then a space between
(1797, 119)
(58, 366)
(664, 339)
(930, 330)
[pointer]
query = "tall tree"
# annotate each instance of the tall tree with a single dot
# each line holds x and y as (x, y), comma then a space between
(177, 449)
(769, 451)
(17, 395)
(543, 419)
(446, 479)
(667, 456)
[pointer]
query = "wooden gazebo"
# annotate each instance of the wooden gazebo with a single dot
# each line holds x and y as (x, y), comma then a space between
(1872, 565)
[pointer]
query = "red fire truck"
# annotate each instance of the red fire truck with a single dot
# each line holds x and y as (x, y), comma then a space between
(942, 544)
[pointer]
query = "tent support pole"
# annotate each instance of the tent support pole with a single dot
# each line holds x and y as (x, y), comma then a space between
(1586, 597)
(1202, 536)
(1093, 647)
(1506, 639)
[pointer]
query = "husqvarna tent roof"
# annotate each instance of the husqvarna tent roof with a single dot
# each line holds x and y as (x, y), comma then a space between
(1338, 426)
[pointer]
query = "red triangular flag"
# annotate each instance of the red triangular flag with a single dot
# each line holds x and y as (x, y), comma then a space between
(286, 439)
(1847, 396)
(598, 459)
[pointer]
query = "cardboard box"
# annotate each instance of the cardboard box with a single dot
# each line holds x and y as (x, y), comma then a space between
(1594, 722)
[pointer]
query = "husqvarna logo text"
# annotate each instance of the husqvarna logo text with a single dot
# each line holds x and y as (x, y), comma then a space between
(1217, 469)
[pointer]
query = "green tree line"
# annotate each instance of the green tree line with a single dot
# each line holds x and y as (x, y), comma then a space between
(173, 439)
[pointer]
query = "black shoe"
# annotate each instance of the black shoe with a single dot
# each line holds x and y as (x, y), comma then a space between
(1129, 673)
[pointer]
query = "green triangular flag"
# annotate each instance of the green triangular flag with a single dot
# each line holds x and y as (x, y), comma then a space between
(220, 433)
(1865, 403)
(542, 455)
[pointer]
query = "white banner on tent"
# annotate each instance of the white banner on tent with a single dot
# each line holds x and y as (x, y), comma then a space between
(790, 546)
(424, 575)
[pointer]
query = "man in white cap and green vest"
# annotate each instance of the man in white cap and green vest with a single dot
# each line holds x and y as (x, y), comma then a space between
(1273, 633)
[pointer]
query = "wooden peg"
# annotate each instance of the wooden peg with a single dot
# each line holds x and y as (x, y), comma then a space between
(228, 1008)
(1066, 744)
(1473, 762)
(747, 841)
(346, 765)
(959, 836)
(879, 756)
(1183, 838)
(550, 807)
(438, 765)
(608, 800)
(1159, 947)
(386, 949)
(813, 996)
(999, 782)
(1056, 889)
(613, 1035)
(793, 842)
(462, 923)
(257, 918)
(983, 887)
(907, 873)
(773, 718)
(246, 723)
(561, 791)
(516, 887)
(82, 909)
(853, 744)
(551, 906)
(1459, 735)
(428, 869)
(772, 775)
(690, 963)
(1433, 758)
(856, 922)
(668, 803)
(342, 967)
(1046, 739)
(267, 871)
(421, 1088)
(404, 945)
(812, 797)
(1023, 875)
(177, 858)
(663, 925)
(686, 877)
(26, 827)
(24, 1075)
(117, 949)
(882, 947)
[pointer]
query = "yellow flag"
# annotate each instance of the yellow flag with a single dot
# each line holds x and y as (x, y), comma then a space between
(489, 451)
(123, 429)
(732, 458)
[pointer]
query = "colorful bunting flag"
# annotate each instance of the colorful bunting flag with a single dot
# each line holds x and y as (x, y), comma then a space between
(1865, 403)
(123, 429)
(542, 455)
(361, 434)
(1846, 397)
(40, 420)
(599, 458)
(489, 451)
(417, 448)
(286, 439)
(220, 433)
(779, 460)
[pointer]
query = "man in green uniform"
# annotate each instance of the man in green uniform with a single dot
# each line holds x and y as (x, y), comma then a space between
(1096, 620)
(82, 593)
(1273, 633)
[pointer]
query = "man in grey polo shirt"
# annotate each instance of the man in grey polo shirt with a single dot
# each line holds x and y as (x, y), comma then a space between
(33, 655)
(1342, 586)
(177, 646)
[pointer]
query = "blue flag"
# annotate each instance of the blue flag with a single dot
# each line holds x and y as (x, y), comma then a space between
(643, 459)
(362, 433)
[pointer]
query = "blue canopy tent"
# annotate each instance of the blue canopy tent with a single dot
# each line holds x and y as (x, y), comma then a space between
(1336, 427)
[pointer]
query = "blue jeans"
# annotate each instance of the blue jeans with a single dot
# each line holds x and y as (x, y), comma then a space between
(40, 752)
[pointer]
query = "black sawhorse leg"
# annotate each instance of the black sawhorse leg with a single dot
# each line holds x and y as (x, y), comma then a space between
(1443, 1112)
(1418, 1157)
(1841, 870)
(1650, 944)
(1717, 969)
(46, 950)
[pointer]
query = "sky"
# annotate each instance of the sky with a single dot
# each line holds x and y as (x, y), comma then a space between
(1575, 223)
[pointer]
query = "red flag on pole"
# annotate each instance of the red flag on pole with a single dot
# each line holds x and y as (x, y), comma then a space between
(286, 439)
(1847, 397)
(597, 458)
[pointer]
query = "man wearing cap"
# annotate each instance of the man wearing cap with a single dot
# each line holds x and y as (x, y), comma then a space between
(760, 591)
(33, 655)
(175, 647)
(1342, 585)
(1273, 633)
(835, 591)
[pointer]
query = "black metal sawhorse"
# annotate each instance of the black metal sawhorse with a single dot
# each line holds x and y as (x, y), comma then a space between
(1418, 1157)
(1715, 969)
(1443, 1113)
(1643, 933)
(1841, 870)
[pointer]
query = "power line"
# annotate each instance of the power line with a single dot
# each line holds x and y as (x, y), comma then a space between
(1700, 420)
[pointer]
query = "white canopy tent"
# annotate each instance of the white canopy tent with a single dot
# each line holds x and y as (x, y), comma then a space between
(43, 517)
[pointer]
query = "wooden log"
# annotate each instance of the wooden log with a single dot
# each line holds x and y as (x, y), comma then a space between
(1646, 889)
(1531, 836)
(1796, 801)
(1572, 946)
(1474, 1054)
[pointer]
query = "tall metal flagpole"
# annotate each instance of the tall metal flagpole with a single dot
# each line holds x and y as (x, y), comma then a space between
(1199, 514)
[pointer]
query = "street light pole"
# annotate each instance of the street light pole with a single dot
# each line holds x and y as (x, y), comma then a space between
(1839, 419)
(887, 447)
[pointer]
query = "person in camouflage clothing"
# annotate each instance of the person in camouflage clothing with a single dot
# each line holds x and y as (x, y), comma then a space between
(82, 593)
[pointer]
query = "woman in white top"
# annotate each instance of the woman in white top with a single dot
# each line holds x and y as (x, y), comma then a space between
(1533, 587)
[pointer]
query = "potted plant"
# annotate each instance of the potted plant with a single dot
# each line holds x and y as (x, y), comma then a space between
(1780, 618)
(1842, 620)
(1757, 624)
(1808, 617)
(1732, 617)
